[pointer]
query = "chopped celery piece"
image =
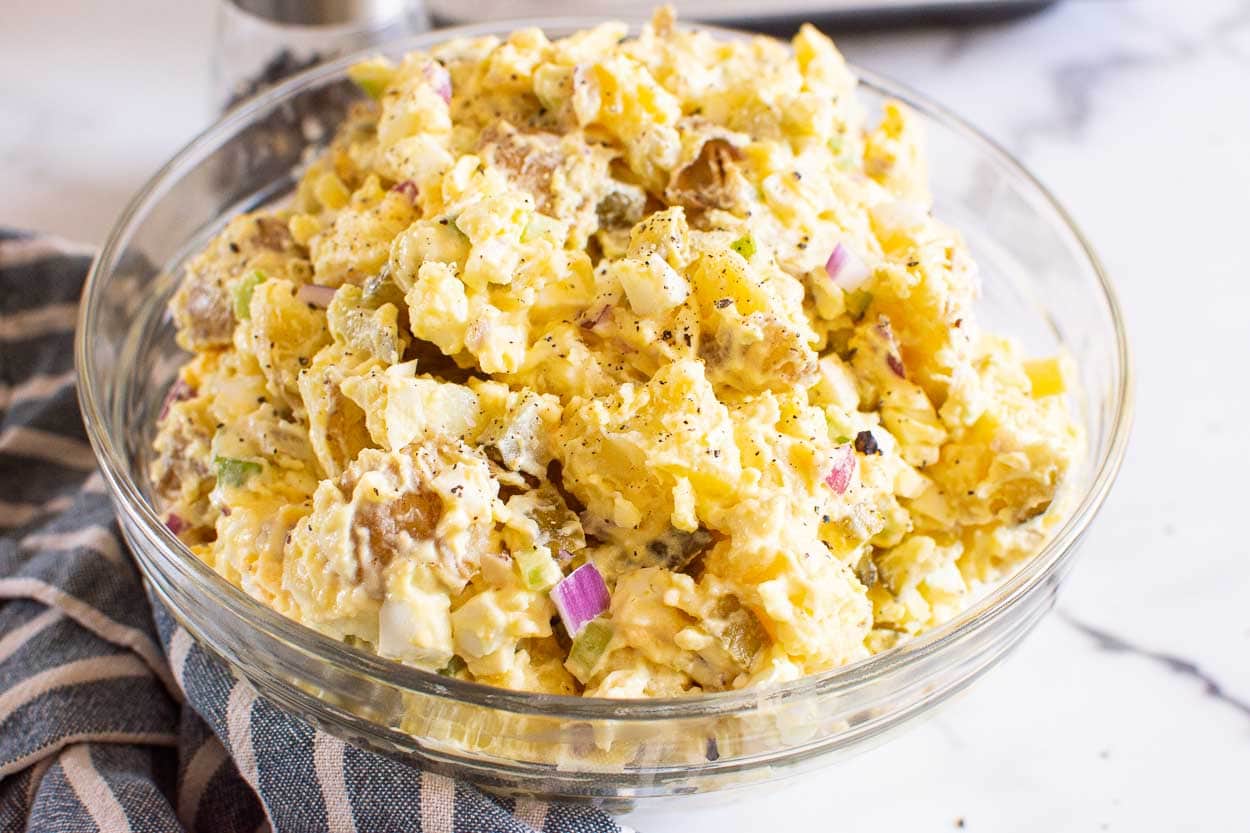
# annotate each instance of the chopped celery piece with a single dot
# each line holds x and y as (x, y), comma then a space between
(538, 569)
(243, 294)
(373, 76)
(744, 245)
(588, 648)
(857, 303)
(235, 472)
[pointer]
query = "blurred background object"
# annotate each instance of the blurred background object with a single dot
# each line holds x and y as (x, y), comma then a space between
(776, 16)
(260, 42)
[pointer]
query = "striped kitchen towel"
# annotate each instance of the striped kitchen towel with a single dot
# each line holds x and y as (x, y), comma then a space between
(111, 717)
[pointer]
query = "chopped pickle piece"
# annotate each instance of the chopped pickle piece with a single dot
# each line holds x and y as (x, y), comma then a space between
(857, 303)
(382, 289)
(453, 667)
(558, 526)
(743, 636)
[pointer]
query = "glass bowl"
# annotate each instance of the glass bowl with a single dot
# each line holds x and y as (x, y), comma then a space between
(1042, 284)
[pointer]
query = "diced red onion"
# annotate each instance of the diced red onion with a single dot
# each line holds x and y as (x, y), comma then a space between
(839, 478)
(593, 320)
(892, 359)
(846, 269)
(579, 597)
(176, 524)
(179, 391)
(318, 296)
(439, 79)
(407, 188)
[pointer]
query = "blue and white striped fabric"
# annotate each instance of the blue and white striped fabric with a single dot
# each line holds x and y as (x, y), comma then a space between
(111, 718)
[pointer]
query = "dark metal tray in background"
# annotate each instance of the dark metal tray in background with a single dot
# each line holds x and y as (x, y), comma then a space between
(779, 16)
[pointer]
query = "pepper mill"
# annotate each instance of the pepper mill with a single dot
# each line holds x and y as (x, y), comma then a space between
(260, 42)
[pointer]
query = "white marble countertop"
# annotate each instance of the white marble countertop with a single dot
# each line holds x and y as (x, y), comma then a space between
(1137, 114)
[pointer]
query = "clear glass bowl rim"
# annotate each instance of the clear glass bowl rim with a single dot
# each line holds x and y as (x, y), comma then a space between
(1029, 577)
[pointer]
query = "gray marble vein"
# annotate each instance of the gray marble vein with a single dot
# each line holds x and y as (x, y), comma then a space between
(1109, 642)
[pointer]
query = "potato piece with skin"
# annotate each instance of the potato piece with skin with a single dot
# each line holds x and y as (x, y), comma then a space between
(707, 174)
(755, 333)
(181, 472)
(395, 528)
(204, 307)
(757, 352)
(567, 176)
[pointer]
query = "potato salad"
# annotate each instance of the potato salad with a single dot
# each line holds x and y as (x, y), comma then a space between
(617, 366)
